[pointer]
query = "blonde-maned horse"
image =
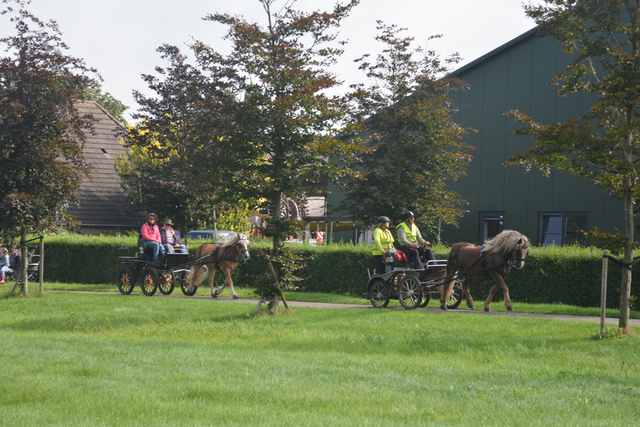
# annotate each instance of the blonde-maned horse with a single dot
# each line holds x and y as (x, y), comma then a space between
(492, 260)
(222, 257)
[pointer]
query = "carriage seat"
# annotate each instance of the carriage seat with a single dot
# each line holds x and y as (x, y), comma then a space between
(145, 251)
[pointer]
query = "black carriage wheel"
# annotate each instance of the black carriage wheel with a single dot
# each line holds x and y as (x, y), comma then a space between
(456, 295)
(166, 283)
(426, 297)
(149, 281)
(410, 292)
(379, 294)
(125, 281)
(182, 278)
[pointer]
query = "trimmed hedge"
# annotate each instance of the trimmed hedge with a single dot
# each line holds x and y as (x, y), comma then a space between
(569, 275)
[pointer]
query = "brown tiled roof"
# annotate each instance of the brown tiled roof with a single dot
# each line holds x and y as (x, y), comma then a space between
(102, 201)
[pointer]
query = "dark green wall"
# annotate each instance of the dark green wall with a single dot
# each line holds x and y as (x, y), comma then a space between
(517, 77)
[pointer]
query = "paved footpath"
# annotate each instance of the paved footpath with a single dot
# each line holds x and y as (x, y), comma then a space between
(608, 320)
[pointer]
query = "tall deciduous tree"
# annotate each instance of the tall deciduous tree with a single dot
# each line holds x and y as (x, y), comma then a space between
(175, 167)
(405, 118)
(41, 131)
(603, 146)
(284, 124)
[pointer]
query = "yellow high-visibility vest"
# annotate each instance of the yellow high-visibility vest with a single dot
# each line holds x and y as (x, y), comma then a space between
(384, 237)
(411, 232)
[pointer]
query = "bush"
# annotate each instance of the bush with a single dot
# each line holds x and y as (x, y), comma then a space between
(568, 275)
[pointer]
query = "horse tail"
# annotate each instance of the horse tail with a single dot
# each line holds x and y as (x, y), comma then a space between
(196, 275)
(450, 275)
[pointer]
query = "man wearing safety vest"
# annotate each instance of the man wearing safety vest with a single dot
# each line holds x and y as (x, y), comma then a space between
(409, 240)
(382, 242)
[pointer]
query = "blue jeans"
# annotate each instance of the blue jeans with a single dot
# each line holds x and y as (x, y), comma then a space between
(182, 249)
(158, 249)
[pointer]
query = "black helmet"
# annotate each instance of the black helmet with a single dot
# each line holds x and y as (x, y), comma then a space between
(382, 219)
(408, 214)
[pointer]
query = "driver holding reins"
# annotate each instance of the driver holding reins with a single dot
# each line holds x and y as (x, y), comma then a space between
(410, 239)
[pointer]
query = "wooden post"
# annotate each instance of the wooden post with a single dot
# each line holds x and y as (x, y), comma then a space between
(41, 264)
(275, 277)
(603, 290)
(259, 303)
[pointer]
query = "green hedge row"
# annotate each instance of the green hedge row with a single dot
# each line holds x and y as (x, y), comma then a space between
(570, 275)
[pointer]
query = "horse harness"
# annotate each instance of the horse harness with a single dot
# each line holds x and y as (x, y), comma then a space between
(506, 261)
(214, 257)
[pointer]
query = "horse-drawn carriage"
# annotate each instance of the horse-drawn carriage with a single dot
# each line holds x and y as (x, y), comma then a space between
(412, 287)
(452, 278)
(163, 275)
(181, 268)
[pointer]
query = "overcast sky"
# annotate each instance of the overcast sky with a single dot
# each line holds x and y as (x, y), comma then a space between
(120, 37)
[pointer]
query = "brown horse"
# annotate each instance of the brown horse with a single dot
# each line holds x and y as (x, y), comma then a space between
(493, 260)
(219, 257)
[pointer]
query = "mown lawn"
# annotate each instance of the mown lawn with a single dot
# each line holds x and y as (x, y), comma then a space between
(92, 359)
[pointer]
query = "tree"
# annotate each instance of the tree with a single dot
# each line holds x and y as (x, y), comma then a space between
(175, 167)
(112, 105)
(281, 126)
(41, 131)
(603, 145)
(405, 118)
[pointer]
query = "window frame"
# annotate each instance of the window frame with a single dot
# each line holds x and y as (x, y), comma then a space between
(563, 223)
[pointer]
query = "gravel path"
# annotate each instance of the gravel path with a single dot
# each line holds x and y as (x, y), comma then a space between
(608, 320)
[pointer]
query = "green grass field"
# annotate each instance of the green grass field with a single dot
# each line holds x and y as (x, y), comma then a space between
(94, 359)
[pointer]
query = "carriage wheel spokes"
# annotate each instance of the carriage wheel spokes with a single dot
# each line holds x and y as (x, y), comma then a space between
(182, 278)
(166, 283)
(125, 281)
(456, 295)
(149, 281)
(410, 292)
(379, 294)
(426, 297)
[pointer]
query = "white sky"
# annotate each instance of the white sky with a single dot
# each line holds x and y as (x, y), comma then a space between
(119, 37)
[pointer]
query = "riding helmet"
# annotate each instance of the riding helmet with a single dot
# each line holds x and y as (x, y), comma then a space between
(382, 219)
(408, 214)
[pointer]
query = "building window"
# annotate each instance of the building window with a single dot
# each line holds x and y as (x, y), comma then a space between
(562, 228)
(491, 224)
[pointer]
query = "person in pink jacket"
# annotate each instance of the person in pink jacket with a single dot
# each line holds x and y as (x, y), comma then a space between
(151, 235)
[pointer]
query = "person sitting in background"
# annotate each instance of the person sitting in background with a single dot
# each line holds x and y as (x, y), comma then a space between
(4, 264)
(171, 238)
(151, 236)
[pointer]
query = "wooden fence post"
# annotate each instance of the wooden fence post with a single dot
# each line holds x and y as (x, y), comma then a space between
(603, 291)
(41, 264)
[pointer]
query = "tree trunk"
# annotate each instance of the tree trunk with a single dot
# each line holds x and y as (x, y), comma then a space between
(625, 286)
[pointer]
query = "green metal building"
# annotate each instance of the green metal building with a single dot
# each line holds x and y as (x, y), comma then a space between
(548, 210)
(516, 76)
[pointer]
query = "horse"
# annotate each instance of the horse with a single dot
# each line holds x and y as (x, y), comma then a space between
(492, 260)
(224, 257)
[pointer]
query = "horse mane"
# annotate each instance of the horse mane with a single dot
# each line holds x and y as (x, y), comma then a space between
(233, 239)
(505, 242)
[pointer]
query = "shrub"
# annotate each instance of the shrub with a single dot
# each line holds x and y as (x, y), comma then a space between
(568, 275)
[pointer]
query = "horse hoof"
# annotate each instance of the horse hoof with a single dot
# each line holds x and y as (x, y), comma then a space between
(510, 308)
(487, 309)
(214, 296)
(471, 307)
(236, 297)
(443, 307)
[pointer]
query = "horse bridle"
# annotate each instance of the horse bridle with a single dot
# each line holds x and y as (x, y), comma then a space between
(512, 262)
(241, 246)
